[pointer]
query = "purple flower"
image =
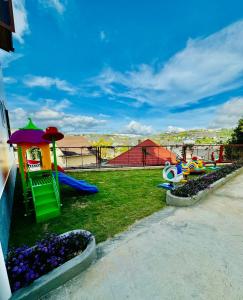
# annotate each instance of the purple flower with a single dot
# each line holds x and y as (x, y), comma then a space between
(15, 269)
(16, 285)
(25, 264)
(192, 187)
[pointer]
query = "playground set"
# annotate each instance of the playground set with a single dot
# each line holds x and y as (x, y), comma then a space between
(40, 182)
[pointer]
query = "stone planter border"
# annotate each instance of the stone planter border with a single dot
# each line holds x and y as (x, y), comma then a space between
(188, 201)
(61, 274)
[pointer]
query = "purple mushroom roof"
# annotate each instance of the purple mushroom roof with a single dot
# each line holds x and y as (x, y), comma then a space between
(27, 136)
(30, 134)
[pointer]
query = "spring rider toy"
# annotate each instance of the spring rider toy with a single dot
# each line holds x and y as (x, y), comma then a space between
(173, 174)
(185, 169)
(40, 187)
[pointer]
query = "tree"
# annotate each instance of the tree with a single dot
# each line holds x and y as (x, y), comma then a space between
(235, 153)
(105, 147)
(237, 135)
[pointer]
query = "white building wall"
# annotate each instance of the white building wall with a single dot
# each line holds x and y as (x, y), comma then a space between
(7, 174)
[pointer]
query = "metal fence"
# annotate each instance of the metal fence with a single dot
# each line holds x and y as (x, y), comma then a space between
(142, 156)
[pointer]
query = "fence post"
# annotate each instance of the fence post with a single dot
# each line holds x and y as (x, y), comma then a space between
(82, 158)
(98, 156)
(184, 152)
(128, 156)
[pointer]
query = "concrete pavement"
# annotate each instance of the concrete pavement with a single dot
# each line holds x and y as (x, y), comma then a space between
(177, 253)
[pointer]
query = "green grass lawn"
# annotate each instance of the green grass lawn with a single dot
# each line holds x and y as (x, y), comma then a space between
(124, 197)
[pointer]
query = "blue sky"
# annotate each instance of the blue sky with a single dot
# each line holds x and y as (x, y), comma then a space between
(126, 66)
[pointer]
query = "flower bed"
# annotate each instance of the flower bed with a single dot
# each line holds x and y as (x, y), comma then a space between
(193, 187)
(26, 264)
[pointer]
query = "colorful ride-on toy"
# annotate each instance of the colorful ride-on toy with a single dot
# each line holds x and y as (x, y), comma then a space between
(196, 166)
(173, 174)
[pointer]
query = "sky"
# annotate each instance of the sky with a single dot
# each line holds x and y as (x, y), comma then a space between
(134, 67)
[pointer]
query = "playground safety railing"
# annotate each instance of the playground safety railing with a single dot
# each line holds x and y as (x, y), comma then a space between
(91, 157)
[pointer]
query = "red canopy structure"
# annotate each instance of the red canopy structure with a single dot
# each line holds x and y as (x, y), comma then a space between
(147, 153)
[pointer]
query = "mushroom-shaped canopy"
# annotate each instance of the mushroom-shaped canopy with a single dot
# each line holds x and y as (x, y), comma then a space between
(30, 134)
(53, 134)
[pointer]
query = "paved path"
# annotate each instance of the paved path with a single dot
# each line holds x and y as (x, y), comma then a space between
(182, 253)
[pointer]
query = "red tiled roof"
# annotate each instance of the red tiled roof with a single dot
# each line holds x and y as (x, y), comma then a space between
(145, 153)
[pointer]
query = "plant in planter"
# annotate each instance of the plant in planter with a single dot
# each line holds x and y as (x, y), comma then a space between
(192, 187)
(26, 264)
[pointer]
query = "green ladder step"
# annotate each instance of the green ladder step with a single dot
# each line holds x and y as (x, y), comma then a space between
(41, 191)
(36, 185)
(42, 180)
(45, 196)
(47, 214)
(46, 202)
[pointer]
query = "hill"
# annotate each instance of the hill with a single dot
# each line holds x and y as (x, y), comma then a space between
(200, 136)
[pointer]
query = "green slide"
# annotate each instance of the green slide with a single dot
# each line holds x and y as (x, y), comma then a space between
(45, 195)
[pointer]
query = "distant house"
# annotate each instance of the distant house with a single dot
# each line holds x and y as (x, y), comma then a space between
(146, 153)
(75, 151)
(188, 141)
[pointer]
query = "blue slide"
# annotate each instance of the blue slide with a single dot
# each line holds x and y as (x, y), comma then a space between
(80, 185)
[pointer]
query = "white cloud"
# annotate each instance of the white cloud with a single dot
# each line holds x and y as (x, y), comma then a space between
(66, 121)
(19, 114)
(207, 66)
(102, 35)
(135, 127)
(228, 114)
(48, 82)
(9, 80)
(58, 5)
(20, 20)
(104, 116)
(175, 129)
(63, 85)
(189, 119)
(46, 115)
(63, 104)
(80, 121)
(7, 57)
(24, 101)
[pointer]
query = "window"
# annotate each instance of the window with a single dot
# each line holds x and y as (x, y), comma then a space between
(6, 15)
(6, 25)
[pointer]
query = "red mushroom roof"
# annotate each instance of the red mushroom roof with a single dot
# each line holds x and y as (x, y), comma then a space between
(53, 134)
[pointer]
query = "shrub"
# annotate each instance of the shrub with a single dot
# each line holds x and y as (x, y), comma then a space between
(192, 187)
(25, 264)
